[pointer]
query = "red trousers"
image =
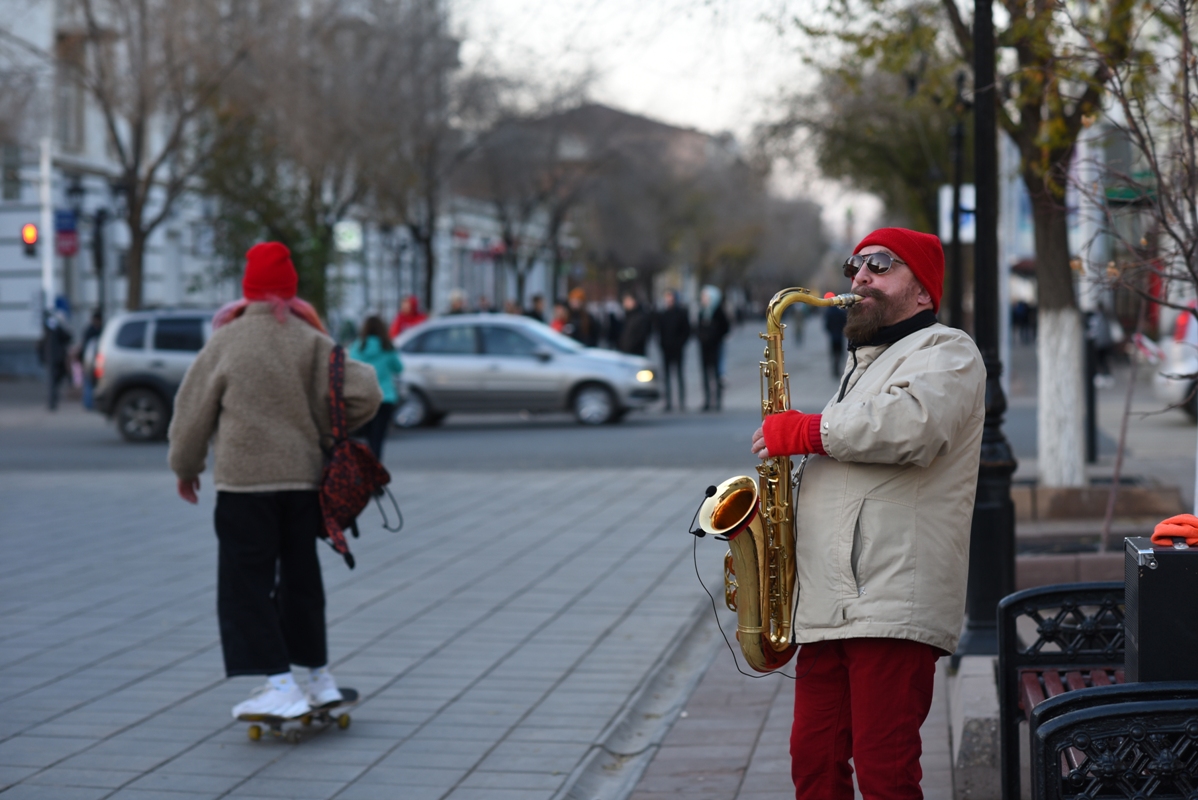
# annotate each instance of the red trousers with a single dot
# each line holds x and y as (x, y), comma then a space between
(863, 699)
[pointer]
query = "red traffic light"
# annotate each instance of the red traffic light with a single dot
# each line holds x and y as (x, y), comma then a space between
(29, 237)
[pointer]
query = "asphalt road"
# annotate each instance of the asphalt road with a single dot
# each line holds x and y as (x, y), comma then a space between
(32, 438)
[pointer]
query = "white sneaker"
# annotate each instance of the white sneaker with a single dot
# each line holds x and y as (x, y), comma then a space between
(323, 690)
(271, 702)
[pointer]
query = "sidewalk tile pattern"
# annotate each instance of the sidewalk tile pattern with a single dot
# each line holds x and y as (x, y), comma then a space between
(492, 641)
(734, 742)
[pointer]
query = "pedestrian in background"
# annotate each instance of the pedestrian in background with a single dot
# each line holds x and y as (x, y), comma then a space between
(374, 347)
(54, 351)
(713, 327)
(636, 328)
(457, 302)
(537, 311)
(561, 318)
(834, 320)
(409, 316)
(612, 314)
(1101, 331)
(90, 334)
(259, 392)
(582, 327)
(673, 325)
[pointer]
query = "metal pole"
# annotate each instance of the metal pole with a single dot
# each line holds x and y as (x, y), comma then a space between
(51, 346)
(99, 222)
(956, 290)
(992, 537)
(1091, 404)
(46, 227)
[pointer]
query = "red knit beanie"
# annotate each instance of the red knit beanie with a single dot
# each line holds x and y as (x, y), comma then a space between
(922, 253)
(269, 272)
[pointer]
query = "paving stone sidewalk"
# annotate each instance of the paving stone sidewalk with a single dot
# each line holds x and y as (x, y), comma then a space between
(494, 640)
(732, 742)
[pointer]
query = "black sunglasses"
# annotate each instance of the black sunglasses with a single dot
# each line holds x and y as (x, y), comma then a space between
(878, 263)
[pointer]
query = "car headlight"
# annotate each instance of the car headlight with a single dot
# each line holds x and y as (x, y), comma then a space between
(644, 375)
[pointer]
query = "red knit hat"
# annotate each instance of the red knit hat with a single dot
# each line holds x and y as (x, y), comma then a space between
(922, 253)
(269, 272)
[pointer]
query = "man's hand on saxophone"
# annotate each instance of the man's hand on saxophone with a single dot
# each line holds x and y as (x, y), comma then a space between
(791, 433)
(759, 447)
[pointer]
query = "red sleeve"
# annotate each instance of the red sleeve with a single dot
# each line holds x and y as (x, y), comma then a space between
(793, 433)
(394, 330)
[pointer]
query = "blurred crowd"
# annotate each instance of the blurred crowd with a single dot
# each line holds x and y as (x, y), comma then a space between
(628, 325)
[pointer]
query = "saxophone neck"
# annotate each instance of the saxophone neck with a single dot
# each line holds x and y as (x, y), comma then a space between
(788, 297)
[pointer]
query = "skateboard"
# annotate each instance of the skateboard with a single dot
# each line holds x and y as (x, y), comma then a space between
(320, 716)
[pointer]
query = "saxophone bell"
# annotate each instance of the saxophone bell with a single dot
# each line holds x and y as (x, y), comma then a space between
(734, 514)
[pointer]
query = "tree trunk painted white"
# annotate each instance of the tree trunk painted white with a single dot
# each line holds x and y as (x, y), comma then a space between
(1061, 398)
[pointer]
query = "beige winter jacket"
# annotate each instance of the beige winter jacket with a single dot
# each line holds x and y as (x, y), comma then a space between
(883, 520)
(260, 391)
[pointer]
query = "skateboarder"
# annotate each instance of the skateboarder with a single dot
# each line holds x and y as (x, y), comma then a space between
(259, 390)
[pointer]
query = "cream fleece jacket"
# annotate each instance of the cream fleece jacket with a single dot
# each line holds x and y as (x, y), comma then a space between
(259, 390)
(883, 521)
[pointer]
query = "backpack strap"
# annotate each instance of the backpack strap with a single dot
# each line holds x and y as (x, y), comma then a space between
(336, 393)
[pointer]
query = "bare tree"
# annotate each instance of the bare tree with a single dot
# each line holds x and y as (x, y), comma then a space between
(424, 119)
(289, 160)
(18, 91)
(791, 248)
(1055, 62)
(152, 68)
(534, 168)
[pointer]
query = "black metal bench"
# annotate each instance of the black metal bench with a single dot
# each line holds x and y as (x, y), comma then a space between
(1131, 741)
(1078, 644)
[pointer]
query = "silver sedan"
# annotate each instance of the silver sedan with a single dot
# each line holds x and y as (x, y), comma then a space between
(501, 362)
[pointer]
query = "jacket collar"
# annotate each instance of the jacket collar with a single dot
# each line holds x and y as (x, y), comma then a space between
(892, 333)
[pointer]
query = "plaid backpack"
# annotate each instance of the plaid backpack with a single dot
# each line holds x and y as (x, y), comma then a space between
(352, 475)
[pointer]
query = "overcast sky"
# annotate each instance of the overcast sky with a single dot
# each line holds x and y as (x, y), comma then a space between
(710, 64)
(714, 65)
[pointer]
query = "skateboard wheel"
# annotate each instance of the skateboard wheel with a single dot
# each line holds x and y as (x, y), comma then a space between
(306, 719)
(255, 733)
(343, 721)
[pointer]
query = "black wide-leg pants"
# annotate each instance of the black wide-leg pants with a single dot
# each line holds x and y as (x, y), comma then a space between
(270, 597)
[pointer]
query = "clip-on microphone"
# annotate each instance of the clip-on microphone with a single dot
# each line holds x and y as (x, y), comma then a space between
(699, 532)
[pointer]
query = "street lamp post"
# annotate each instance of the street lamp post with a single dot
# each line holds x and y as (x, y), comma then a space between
(956, 290)
(76, 192)
(99, 223)
(992, 537)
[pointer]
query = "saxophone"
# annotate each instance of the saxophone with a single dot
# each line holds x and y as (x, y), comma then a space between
(757, 517)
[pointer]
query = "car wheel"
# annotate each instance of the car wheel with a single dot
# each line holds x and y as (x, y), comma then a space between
(142, 416)
(594, 405)
(414, 411)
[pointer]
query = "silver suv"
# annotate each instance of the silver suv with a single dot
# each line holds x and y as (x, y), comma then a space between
(139, 364)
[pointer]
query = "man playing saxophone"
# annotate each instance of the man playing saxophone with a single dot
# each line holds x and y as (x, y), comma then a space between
(883, 520)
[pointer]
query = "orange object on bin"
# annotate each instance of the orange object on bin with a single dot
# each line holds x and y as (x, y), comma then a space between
(1182, 526)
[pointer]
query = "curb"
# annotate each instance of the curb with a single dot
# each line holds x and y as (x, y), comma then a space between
(622, 752)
